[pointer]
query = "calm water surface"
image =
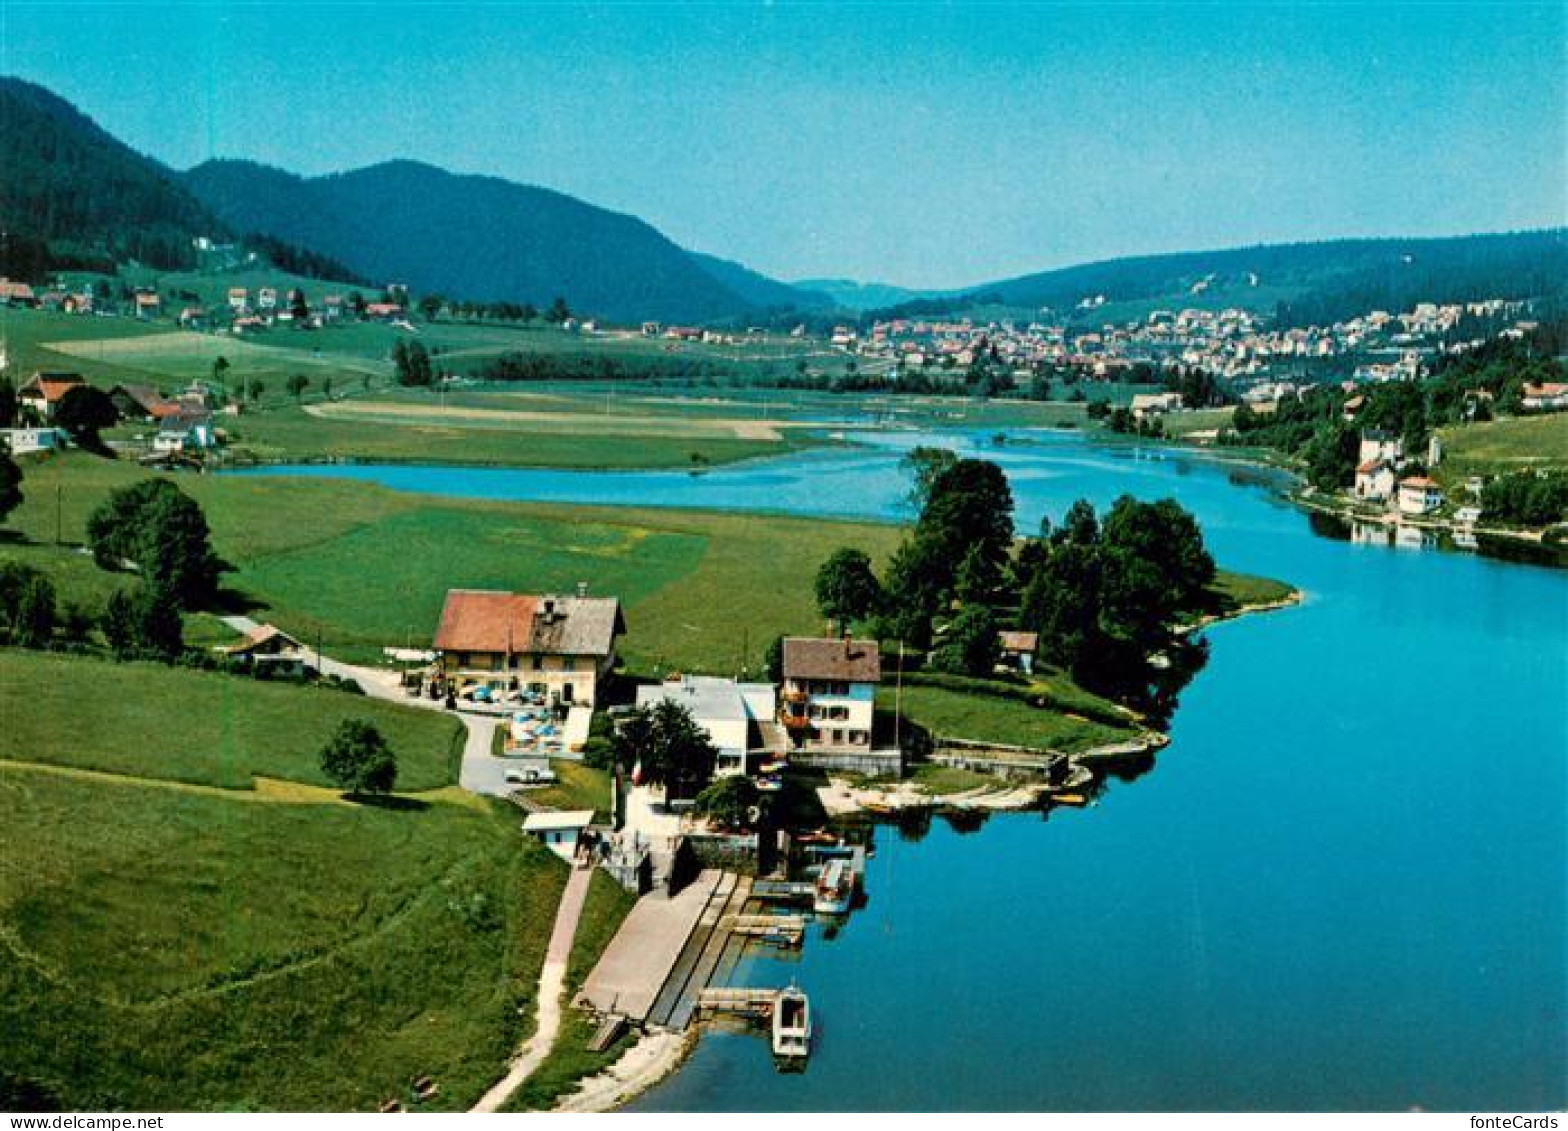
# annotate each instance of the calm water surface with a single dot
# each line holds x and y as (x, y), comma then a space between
(1343, 886)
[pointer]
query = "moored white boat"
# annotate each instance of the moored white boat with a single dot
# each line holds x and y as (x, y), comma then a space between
(835, 888)
(792, 1024)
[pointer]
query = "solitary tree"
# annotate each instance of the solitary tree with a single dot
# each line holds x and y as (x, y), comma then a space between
(299, 309)
(34, 623)
(847, 590)
(671, 748)
(8, 403)
(163, 531)
(10, 483)
(220, 371)
(297, 384)
(255, 388)
(358, 759)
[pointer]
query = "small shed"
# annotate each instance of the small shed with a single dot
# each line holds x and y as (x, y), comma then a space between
(559, 831)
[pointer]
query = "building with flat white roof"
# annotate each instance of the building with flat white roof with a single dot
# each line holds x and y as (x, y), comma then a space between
(734, 714)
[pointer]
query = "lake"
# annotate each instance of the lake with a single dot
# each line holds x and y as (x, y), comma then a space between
(1343, 886)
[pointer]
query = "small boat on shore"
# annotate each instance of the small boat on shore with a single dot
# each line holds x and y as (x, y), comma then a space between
(1075, 799)
(835, 888)
(792, 1024)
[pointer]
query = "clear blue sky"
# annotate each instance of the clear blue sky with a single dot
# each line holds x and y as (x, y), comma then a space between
(929, 145)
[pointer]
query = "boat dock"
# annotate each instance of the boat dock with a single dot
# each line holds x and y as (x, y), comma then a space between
(669, 949)
(784, 891)
(748, 1001)
(787, 930)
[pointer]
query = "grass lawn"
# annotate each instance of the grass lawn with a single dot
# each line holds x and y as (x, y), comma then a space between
(1498, 446)
(570, 1061)
(201, 727)
(704, 591)
(1233, 591)
(985, 718)
(167, 948)
(293, 434)
(942, 780)
(1180, 425)
(579, 787)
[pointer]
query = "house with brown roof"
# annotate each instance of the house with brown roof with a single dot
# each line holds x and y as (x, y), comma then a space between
(16, 294)
(141, 402)
(507, 643)
(43, 391)
(268, 649)
(829, 698)
(1018, 649)
(1419, 495)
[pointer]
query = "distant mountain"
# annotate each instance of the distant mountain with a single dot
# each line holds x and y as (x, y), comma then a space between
(862, 296)
(759, 290)
(482, 238)
(72, 195)
(1307, 283)
(69, 191)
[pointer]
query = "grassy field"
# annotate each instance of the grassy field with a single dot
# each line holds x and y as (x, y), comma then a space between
(569, 1060)
(202, 727)
(703, 591)
(179, 947)
(1233, 591)
(579, 787)
(403, 434)
(1498, 446)
(986, 718)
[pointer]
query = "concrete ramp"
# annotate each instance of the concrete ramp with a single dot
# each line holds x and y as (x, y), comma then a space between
(638, 961)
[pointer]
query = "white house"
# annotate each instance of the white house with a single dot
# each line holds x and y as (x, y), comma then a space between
(1381, 445)
(1153, 404)
(1375, 481)
(734, 714)
(1419, 495)
(20, 441)
(830, 688)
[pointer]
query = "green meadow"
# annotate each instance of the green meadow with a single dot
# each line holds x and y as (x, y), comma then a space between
(178, 946)
(203, 727)
(1496, 447)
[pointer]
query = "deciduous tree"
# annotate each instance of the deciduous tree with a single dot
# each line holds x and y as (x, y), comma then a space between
(358, 759)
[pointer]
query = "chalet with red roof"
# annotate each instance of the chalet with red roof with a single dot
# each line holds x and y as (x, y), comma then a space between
(43, 391)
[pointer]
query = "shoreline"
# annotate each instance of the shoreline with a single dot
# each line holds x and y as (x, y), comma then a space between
(650, 1059)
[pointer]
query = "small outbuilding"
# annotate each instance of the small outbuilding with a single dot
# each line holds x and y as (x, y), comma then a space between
(559, 831)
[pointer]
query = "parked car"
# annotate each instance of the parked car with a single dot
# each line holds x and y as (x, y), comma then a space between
(530, 776)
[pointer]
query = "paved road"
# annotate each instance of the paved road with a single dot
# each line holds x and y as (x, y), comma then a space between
(552, 984)
(481, 772)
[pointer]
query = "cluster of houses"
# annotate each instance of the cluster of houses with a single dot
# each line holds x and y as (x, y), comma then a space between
(1380, 478)
(184, 421)
(515, 648)
(1230, 342)
(243, 309)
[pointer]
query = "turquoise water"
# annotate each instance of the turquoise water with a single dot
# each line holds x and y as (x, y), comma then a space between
(1343, 886)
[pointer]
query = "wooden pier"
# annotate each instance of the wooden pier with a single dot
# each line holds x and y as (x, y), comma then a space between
(784, 891)
(748, 1001)
(787, 930)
